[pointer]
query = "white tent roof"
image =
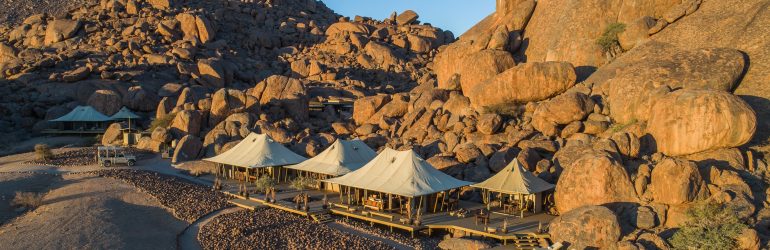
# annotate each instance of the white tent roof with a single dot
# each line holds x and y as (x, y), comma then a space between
(514, 179)
(340, 158)
(257, 151)
(83, 114)
(125, 113)
(401, 173)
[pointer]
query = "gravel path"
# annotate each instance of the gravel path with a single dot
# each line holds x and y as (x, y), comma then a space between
(354, 231)
(188, 240)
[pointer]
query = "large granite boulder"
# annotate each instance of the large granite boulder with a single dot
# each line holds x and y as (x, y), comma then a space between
(139, 99)
(281, 91)
(186, 122)
(638, 86)
(364, 108)
(113, 135)
(60, 29)
(691, 121)
(106, 101)
(675, 182)
(561, 110)
(586, 227)
(594, 179)
(523, 83)
(225, 102)
(188, 149)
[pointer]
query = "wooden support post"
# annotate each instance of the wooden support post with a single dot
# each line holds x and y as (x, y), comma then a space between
(750, 158)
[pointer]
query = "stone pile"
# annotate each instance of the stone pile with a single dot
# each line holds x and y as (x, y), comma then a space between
(188, 201)
(267, 228)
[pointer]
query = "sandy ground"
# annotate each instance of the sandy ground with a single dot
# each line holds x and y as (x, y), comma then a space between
(10, 183)
(53, 142)
(83, 211)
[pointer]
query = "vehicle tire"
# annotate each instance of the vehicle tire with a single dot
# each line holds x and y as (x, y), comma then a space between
(131, 163)
(107, 164)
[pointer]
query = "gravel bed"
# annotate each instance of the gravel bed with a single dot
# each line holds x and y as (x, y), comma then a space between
(189, 201)
(267, 228)
(421, 242)
(83, 156)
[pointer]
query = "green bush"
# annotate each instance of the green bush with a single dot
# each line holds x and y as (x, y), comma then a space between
(163, 122)
(43, 152)
(301, 183)
(709, 226)
(264, 183)
(609, 39)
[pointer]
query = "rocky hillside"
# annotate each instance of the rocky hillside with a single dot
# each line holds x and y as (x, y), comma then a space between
(637, 110)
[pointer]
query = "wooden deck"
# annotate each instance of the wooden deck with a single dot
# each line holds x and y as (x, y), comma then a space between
(523, 232)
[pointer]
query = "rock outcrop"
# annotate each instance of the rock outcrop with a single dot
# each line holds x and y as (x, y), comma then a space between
(594, 179)
(598, 228)
(691, 121)
(523, 83)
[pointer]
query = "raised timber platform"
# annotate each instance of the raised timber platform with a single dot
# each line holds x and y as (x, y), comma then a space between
(247, 204)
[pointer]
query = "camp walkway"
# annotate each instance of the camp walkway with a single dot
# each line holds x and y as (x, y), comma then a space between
(522, 232)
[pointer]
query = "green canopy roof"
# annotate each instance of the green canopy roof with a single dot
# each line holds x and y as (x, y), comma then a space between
(125, 113)
(83, 114)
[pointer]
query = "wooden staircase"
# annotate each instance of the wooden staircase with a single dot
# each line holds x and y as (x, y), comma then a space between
(322, 217)
(526, 242)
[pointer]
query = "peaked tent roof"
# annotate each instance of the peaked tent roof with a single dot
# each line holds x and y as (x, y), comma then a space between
(257, 151)
(83, 114)
(125, 113)
(514, 179)
(340, 158)
(401, 173)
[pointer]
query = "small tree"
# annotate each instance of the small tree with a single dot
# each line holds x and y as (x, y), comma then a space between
(264, 184)
(709, 226)
(609, 39)
(300, 184)
(43, 152)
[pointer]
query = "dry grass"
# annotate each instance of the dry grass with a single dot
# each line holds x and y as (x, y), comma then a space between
(43, 152)
(27, 199)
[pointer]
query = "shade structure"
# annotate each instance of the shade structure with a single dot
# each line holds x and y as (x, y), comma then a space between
(342, 157)
(83, 114)
(124, 114)
(257, 151)
(514, 179)
(401, 173)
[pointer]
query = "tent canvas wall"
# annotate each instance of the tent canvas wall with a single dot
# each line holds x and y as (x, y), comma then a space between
(340, 158)
(515, 180)
(401, 173)
(257, 151)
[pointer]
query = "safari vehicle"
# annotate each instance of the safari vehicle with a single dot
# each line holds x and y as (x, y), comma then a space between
(114, 155)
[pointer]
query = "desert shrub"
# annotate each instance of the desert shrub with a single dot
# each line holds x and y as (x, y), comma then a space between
(709, 226)
(163, 121)
(617, 127)
(43, 152)
(609, 39)
(264, 183)
(301, 183)
(27, 199)
(511, 109)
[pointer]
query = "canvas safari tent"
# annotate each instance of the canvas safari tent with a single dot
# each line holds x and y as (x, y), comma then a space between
(518, 185)
(255, 155)
(340, 158)
(83, 118)
(396, 179)
(125, 114)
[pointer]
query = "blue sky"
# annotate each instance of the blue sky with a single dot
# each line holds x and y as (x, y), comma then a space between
(455, 15)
